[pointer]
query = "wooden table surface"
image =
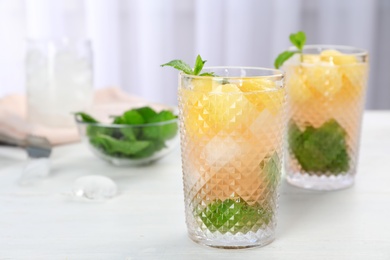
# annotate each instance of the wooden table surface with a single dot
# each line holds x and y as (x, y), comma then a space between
(146, 219)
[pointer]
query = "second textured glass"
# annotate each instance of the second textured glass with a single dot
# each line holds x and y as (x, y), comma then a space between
(232, 129)
(326, 86)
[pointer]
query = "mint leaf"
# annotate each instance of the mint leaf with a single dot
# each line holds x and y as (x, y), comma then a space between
(233, 215)
(118, 120)
(207, 74)
(295, 138)
(320, 150)
(154, 147)
(271, 166)
(161, 132)
(129, 133)
(298, 39)
(92, 130)
(86, 118)
(113, 146)
(146, 112)
(199, 63)
(282, 58)
(132, 117)
(179, 65)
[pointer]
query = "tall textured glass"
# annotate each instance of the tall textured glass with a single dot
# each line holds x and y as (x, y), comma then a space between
(326, 87)
(232, 129)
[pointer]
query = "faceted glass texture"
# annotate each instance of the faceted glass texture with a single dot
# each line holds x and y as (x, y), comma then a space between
(326, 88)
(231, 142)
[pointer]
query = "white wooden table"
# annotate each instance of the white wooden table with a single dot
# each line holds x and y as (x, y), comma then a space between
(146, 220)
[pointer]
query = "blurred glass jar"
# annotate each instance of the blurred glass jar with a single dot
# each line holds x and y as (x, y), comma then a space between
(58, 80)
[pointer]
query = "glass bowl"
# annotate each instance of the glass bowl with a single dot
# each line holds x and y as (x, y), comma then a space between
(130, 145)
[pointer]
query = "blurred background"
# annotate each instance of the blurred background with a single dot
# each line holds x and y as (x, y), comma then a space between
(131, 38)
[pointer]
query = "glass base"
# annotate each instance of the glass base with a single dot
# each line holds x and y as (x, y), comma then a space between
(326, 183)
(237, 241)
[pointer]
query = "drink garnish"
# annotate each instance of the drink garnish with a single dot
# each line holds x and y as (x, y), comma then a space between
(182, 66)
(298, 40)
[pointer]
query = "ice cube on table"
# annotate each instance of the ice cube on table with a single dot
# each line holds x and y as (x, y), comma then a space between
(94, 187)
(35, 170)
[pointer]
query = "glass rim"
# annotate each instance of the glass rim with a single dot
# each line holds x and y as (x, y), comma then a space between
(108, 125)
(278, 74)
(355, 51)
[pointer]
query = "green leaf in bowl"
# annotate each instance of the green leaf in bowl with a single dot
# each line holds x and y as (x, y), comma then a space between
(146, 112)
(112, 146)
(154, 147)
(161, 132)
(86, 118)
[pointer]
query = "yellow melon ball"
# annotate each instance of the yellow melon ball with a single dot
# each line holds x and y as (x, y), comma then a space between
(325, 79)
(356, 73)
(264, 94)
(296, 85)
(194, 102)
(256, 84)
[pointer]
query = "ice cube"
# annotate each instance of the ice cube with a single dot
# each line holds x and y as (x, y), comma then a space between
(35, 170)
(220, 150)
(94, 187)
(323, 78)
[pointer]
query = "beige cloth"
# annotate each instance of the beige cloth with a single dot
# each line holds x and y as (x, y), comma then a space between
(107, 102)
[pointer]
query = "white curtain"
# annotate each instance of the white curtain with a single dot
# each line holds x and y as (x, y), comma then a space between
(131, 38)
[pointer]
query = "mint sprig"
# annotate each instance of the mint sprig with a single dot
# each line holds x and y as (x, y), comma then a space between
(182, 66)
(298, 40)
